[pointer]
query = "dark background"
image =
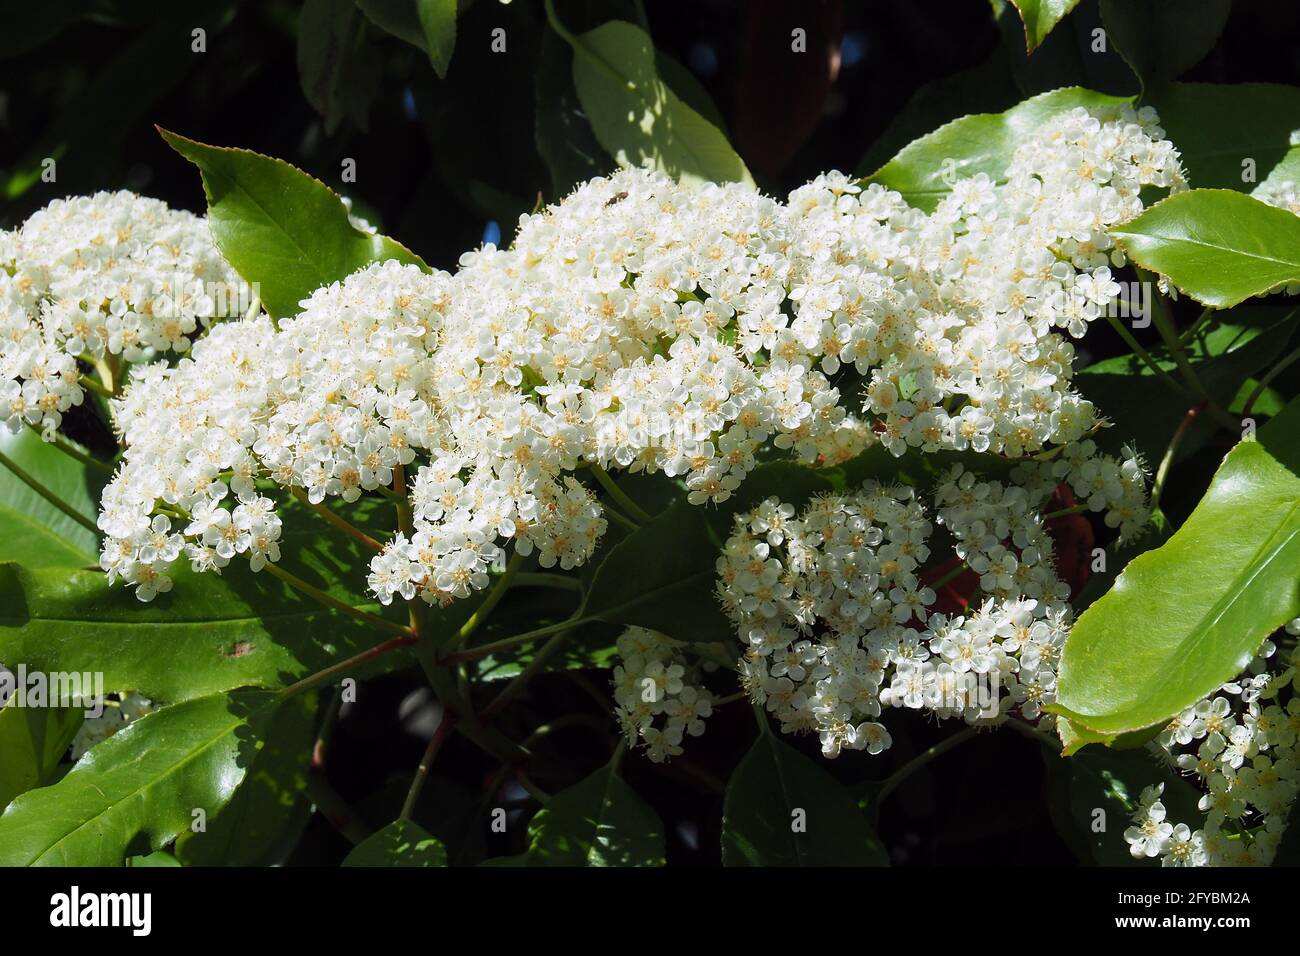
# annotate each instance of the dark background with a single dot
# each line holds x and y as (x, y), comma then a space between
(446, 164)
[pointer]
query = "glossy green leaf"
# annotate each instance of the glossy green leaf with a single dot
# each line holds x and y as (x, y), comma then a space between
(401, 843)
(1160, 39)
(599, 821)
(396, 17)
(33, 740)
(438, 23)
(661, 576)
(280, 228)
(1095, 793)
(1040, 16)
(925, 170)
(271, 808)
(1069, 56)
(782, 809)
(1187, 617)
(636, 116)
(32, 530)
(1231, 136)
(207, 634)
(138, 790)
(1219, 247)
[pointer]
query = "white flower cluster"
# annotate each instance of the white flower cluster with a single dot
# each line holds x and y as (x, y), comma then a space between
(1283, 195)
(961, 347)
(117, 714)
(1242, 746)
(639, 325)
(836, 610)
(658, 696)
(111, 276)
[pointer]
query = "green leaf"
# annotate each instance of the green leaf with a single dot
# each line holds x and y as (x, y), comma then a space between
(1069, 56)
(1117, 558)
(599, 821)
(208, 634)
(1217, 128)
(270, 809)
(689, 89)
(661, 576)
(1112, 782)
(160, 859)
(32, 530)
(1219, 247)
(636, 116)
(33, 740)
(924, 170)
(438, 22)
(1075, 737)
(280, 228)
(777, 789)
(339, 71)
(396, 17)
(1040, 16)
(1161, 39)
(401, 843)
(1187, 617)
(138, 790)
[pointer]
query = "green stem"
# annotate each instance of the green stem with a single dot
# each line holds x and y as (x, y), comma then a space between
(896, 778)
(935, 585)
(634, 510)
(330, 601)
(534, 791)
(1144, 355)
(445, 727)
(483, 650)
(443, 681)
(1065, 512)
(1196, 324)
(1169, 334)
(547, 651)
(622, 519)
(541, 579)
(338, 521)
(582, 49)
(328, 675)
(334, 809)
(1026, 729)
(403, 503)
(48, 495)
(494, 597)
(590, 721)
(1162, 473)
(72, 451)
(1286, 362)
